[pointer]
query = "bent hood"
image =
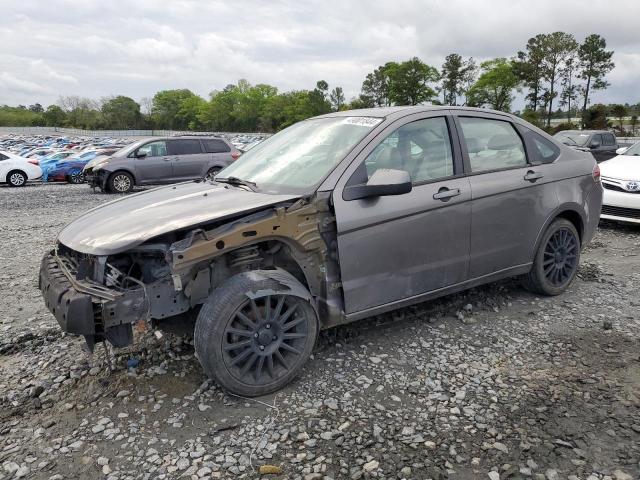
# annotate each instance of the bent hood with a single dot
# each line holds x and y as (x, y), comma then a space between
(622, 167)
(132, 220)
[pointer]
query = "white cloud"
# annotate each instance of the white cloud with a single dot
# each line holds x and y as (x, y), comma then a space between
(95, 48)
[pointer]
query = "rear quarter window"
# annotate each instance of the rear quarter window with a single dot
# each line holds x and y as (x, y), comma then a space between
(540, 149)
(215, 146)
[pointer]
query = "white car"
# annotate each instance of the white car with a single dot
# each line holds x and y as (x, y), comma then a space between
(16, 171)
(621, 181)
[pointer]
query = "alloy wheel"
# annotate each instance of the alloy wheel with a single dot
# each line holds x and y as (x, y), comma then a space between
(122, 183)
(17, 179)
(76, 177)
(560, 257)
(265, 339)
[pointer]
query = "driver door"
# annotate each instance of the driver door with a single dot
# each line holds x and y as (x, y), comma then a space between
(396, 248)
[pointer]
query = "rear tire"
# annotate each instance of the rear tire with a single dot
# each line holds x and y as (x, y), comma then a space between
(253, 335)
(120, 182)
(557, 260)
(16, 178)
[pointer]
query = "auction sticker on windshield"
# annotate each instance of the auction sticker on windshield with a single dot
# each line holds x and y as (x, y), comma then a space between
(362, 121)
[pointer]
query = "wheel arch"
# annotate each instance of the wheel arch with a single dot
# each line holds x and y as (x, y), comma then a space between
(125, 170)
(570, 211)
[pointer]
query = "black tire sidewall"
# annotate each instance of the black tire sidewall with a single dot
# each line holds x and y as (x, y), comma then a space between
(543, 283)
(212, 321)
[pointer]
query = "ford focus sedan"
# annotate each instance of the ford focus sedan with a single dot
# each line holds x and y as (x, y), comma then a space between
(333, 219)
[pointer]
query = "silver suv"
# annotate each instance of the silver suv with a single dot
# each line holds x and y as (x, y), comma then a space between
(331, 220)
(160, 160)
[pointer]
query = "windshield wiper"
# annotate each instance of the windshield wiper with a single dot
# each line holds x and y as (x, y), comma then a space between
(237, 181)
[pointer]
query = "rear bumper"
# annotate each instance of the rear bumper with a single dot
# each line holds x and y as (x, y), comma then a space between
(83, 308)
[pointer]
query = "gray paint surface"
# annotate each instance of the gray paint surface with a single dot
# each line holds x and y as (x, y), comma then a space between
(130, 221)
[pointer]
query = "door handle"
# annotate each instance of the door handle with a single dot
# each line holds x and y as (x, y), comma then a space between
(445, 194)
(532, 176)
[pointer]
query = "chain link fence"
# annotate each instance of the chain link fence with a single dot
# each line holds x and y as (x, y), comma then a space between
(113, 133)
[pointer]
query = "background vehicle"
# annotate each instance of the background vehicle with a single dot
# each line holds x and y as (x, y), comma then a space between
(161, 160)
(621, 182)
(16, 171)
(601, 143)
(71, 169)
(334, 219)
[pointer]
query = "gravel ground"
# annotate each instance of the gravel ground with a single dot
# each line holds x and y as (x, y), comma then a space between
(491, 383)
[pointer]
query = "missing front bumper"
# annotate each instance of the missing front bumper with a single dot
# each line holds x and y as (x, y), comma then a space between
(94, 315)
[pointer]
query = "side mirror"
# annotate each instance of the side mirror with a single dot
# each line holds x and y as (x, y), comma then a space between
(383, 182)
(594, 144)
(141, 154)
(622, 150)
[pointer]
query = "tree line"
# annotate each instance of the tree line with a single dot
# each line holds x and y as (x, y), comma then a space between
(552, 70)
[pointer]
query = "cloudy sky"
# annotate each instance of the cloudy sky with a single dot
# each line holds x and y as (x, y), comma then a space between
(96, 48)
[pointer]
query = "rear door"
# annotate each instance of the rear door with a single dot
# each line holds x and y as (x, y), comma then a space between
(155, 166)
(609, 146)
(393, 248)
(188, 158)
(512, 192)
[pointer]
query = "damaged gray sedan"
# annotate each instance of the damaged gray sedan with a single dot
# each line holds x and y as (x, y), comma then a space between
(334, 219)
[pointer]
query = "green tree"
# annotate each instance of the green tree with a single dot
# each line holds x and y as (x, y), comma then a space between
(557, 47)
(318, 98)
(595, 117)
(570, 90)
(81, 112)
(36, 108)
(337, 98)
(456, 76)
(409, 82)
(375, 88)
(121, 113)
(167, 109)
(634, 122)
(529, 69)
(594, 64)
(54, 116)
(619, 112)
(495, 86)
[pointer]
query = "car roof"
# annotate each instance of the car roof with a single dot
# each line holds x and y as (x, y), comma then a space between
(583, 132)
(401, 111)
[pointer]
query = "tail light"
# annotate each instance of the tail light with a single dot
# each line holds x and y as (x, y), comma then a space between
(34, 161)
(235, 155)
(596, 173)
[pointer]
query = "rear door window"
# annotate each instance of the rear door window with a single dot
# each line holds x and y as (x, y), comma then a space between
(215, 146)
(492, 144)
(185, 147)
(608, 140)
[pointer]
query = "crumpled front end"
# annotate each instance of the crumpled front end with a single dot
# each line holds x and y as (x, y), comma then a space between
(89, 296)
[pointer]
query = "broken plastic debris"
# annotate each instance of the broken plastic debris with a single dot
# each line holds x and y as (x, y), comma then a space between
(270, 469)
(158, 334)
(133, 363)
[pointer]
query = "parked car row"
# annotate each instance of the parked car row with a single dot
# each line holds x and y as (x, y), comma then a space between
(117, 165)
(334, 219)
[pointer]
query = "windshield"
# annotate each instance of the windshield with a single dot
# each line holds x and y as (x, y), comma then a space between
(573, 138)
(298, 158)
(633, 150)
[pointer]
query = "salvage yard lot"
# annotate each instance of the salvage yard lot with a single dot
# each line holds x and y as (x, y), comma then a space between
(494, 379)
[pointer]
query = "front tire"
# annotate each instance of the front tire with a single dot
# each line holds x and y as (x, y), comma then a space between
(16, 178)
(212, 173)
(254, 334)
(556, 262)
(120, 182)
(75, 177)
